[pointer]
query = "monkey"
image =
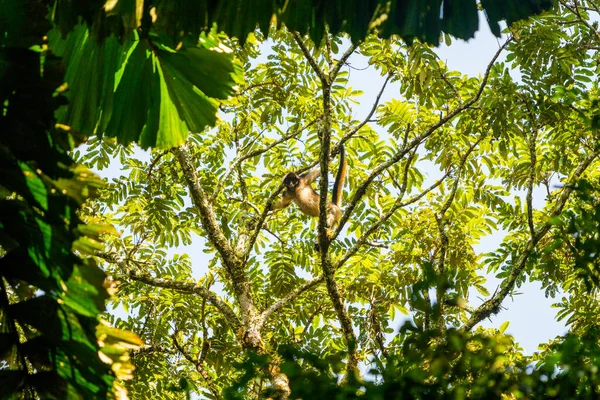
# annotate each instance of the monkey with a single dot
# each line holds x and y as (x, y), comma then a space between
(298, 189)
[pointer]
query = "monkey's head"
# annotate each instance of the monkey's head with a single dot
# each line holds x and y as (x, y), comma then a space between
(291, 180)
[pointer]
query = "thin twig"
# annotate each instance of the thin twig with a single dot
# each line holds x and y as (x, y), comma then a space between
(256, 85)
(210, 383)
(342, 61)
(367, 119)
(235, 163)
(362, 189)
(311, 318)
(261, 221)
(155, 161)
(575, 10)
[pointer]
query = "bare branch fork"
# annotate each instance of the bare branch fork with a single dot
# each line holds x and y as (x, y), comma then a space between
(492, 305)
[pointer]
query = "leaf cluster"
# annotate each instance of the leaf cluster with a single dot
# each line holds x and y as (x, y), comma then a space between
(51, 292)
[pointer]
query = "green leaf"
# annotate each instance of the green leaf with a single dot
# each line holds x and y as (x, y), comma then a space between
(503, 327)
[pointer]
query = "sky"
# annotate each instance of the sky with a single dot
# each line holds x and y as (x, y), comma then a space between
(532, 318)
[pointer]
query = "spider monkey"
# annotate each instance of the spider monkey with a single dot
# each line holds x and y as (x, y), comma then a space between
(298, 189)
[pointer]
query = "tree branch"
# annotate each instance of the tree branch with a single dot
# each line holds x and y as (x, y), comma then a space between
(531, 180)
(342, 314)
(189, 288)
(288, 299)
(155, 161)
(376, 328)
(256, 85)
(531, 145)
(461, 164)
(362, 189)
(328, 50)
(323, 239)
(232, 263)
(366, 120)
(311, 60)
(441, 223)
(261, 220)
(325, 139)
(364, 238)
(492, 305)
(210, 383)
(337, 148)
(151, 349)
(575, 10)
(311, 318)
(207, 215)
(255, 153)
(182, 287)
(342, 61)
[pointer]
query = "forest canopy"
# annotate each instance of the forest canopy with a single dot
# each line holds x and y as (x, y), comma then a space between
(405, 245)
(272, 304)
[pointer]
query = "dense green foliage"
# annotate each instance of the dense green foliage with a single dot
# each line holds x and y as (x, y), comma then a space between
(411, 19)
(462, 365)
(36, 214)
(267, 314)
(50, 296)
(448, 161)
(147, 52)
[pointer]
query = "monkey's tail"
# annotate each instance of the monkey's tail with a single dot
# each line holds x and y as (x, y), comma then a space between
(340, 179)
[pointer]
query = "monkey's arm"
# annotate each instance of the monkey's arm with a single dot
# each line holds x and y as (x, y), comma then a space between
(310, 176)
(285, 201)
